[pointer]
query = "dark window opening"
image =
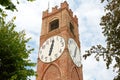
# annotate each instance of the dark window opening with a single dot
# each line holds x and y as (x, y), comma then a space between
(72, 28)
(54, 25)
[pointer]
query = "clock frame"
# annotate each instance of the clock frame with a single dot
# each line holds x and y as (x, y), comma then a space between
(52, 49)
(74, 52)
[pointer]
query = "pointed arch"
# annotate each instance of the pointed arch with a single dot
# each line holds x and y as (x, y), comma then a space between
(74, 74)
(52, 72)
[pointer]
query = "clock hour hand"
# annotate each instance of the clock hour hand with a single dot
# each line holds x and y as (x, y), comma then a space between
(75, 51)
(51, 47)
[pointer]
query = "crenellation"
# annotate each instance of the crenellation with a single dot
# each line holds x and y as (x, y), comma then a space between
(54, 9)
(64, 5)
(45, 13)
(71, 13)
(75, 19)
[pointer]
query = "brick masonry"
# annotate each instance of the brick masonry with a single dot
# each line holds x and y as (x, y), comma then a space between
(63, 68)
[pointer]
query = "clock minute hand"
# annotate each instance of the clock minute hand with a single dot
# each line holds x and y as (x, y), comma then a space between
(75, 51)
(51, 47)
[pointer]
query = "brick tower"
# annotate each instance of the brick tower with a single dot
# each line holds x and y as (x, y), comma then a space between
(59, 54)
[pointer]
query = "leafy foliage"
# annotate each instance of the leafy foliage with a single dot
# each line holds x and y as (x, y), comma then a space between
(9, 5)
(14, 53)
(111, 29)
(14, 62)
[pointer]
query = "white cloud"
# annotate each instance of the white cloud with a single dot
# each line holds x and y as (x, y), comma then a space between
(89, 12)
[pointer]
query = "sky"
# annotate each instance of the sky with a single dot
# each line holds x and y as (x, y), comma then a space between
(89, 12)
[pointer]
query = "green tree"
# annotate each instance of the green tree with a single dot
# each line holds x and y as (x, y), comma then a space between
(14, 52)
(110, 24)
(9, 5)
(14, 62)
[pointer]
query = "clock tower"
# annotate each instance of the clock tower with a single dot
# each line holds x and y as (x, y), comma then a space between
(59, 56)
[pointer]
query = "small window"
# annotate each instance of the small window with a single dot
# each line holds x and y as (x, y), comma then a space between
(54, 25)
(72, 28)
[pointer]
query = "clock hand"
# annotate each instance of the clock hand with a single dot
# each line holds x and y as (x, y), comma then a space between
(75, 51)
(51, 47)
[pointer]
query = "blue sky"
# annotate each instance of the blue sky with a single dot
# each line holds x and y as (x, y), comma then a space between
(89, 12)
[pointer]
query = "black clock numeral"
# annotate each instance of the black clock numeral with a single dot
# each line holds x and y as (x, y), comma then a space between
(46, 58)
(42, 57)
(51, 39)
(70, 42)
(62, 44)
(78, 63)
(47, 42)
(56, 55)
(50, 59)
(57, 38)
(43, 47)
(60, 50)
(61, 40)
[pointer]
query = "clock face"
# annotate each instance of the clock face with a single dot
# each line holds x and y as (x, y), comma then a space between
(52, 49)
(74, 52)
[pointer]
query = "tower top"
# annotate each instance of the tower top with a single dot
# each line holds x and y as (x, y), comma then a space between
(55, 10)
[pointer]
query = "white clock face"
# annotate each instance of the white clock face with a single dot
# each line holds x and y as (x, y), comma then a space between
(74, 52)
(52, 49)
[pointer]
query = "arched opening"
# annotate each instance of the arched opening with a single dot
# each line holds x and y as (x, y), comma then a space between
(54, 24)
(75, 75)
(52, 73)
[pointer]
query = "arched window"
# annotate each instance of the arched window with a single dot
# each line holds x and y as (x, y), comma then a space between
(54, 25)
